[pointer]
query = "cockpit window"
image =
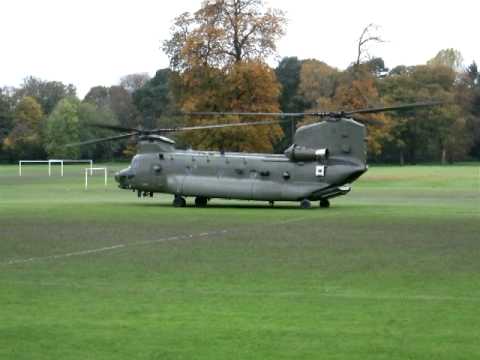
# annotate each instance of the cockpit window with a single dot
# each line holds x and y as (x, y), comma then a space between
(135, 163)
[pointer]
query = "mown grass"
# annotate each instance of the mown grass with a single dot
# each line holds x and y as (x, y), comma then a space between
(390, 271)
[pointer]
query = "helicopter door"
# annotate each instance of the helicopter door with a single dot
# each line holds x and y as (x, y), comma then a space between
(174, 166)
(264, 186)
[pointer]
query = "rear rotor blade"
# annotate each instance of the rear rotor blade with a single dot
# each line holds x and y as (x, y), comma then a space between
(101, 140)
(393, 108)
(368, 121)
(333, 114)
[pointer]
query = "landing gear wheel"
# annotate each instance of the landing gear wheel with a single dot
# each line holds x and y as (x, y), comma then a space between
(179, 201)
(324, 203)
(201, 201)
(305, 204)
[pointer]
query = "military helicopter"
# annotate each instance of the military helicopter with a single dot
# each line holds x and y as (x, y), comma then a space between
(326, 157)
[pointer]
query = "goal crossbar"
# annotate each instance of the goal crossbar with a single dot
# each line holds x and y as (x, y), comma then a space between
(50, 162)
(91, 170)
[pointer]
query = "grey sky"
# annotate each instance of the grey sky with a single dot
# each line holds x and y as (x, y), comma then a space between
(95, 42)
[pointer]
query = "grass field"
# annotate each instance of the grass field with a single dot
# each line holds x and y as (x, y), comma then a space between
(391, 271)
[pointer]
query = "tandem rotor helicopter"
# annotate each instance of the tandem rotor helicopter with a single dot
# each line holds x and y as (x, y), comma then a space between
(326, 157)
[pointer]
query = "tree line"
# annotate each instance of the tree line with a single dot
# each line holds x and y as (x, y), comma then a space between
(218, 62)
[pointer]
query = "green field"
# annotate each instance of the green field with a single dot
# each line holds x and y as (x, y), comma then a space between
(391, 271)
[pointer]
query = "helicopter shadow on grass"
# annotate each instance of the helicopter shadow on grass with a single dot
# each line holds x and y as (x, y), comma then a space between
(246, 206)
(219, 206)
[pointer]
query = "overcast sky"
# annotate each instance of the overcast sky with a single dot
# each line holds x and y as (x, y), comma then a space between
(95, 42)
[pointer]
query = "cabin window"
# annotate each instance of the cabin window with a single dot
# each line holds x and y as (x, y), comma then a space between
(160, 156)
(265, 173)
(320, 170)
(157, 169)
(286, 175)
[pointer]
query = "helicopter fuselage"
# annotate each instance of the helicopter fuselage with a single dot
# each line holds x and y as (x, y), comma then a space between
(324, 160)
(239, 176)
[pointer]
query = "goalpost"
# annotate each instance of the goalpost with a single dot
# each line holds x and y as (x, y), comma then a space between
(50, 162)
(91, 170)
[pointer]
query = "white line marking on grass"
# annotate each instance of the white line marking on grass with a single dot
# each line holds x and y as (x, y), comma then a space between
(109, 248)
(118, 246)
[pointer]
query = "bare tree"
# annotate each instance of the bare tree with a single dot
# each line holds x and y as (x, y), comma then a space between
(133, 82)
(369, 35)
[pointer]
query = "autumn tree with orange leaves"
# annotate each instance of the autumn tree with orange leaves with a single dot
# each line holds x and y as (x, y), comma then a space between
(219, 53)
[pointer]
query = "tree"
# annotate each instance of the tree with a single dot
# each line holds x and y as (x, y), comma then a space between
(134, 82)
(121, 104)
(377, 67)
(436, 133)
(448, 57)
(327, 89)
(224, 32)
(88, 114)
(248, 86)
(361, 93)
(63, 128)
(369, 35)
(99, 96)
(116, 99)
(468, 96)
(317, 81)
(218, 53)
(155, 99)
(25, 139)
(288, 74)
(6, 115)
(47, 93)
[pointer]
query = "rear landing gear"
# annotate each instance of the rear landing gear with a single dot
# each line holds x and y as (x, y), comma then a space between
(305, 204)
(324, 203)
(201, 201)
(179, 201)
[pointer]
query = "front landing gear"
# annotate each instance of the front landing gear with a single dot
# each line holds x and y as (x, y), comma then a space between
(324, 203)
(179, 201)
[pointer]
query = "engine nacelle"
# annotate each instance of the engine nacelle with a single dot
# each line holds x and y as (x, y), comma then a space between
(300, 153)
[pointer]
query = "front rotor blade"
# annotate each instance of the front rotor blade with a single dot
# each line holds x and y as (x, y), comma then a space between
(393, 108)
(213, 113)
(105, 139)
(216, 126)
(112, 127)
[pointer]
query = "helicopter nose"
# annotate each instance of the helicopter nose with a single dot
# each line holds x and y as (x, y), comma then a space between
(124, 177)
